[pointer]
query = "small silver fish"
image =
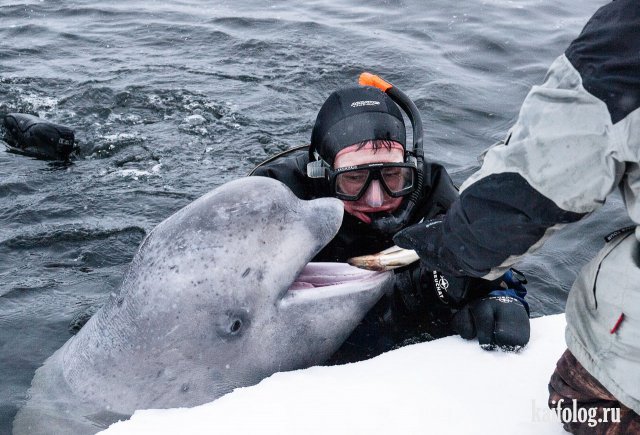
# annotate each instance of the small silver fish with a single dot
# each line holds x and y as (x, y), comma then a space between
(389, 259)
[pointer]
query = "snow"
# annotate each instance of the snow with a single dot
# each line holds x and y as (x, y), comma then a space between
(446, 386)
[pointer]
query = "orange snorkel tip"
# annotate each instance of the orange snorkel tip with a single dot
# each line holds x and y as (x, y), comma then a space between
(368, 79)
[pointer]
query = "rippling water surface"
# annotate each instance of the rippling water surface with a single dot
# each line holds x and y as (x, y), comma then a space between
(171, 99)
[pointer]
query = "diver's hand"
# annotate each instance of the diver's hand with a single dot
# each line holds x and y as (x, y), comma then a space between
(420, 287)
(500, 319)
(426, 239)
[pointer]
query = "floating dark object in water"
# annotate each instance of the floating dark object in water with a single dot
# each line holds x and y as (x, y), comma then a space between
(36, 137)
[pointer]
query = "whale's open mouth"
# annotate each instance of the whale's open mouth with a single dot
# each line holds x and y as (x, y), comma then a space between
(315, 275)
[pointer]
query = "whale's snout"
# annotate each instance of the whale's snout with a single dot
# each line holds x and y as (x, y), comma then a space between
(325, 217)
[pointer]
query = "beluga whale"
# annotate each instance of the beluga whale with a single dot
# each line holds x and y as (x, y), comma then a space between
(219, 295)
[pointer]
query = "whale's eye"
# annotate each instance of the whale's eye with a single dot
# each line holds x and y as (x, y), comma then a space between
(235, 326)
(233, 323)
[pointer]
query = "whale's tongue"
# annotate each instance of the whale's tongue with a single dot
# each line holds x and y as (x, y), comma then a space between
(327, 274)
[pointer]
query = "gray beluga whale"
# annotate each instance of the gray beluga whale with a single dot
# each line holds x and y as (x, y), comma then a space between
(220, 295)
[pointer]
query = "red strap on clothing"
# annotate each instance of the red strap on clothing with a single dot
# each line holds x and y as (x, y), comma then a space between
(617, 325)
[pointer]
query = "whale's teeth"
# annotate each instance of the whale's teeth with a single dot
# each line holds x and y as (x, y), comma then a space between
(388, 259)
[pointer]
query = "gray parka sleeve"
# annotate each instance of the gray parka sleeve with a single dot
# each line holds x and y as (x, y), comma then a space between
(576, 139)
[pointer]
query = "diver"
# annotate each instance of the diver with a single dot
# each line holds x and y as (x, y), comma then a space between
(35, 137)
(358, 154)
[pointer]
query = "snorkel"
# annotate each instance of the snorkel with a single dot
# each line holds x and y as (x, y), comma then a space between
(391, 223)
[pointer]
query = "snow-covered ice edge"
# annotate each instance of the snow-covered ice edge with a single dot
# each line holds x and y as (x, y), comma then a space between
(446, 386)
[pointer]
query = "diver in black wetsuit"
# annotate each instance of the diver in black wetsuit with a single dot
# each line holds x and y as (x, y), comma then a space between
(32, 136)
(358, 154)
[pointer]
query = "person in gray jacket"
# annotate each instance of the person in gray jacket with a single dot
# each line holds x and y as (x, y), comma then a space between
(576, 140)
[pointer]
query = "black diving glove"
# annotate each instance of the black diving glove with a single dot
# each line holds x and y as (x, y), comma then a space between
(500, 319)
(418, 288)
(426, 239)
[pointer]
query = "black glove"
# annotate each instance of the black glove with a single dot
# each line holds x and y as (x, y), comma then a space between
(500, 319)
(419, 288)
(426, 239)
(423, 302)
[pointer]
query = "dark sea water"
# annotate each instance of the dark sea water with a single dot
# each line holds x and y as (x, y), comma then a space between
(171, 99)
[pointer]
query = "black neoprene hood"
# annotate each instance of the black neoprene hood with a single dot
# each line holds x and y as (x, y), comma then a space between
(354, 115)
